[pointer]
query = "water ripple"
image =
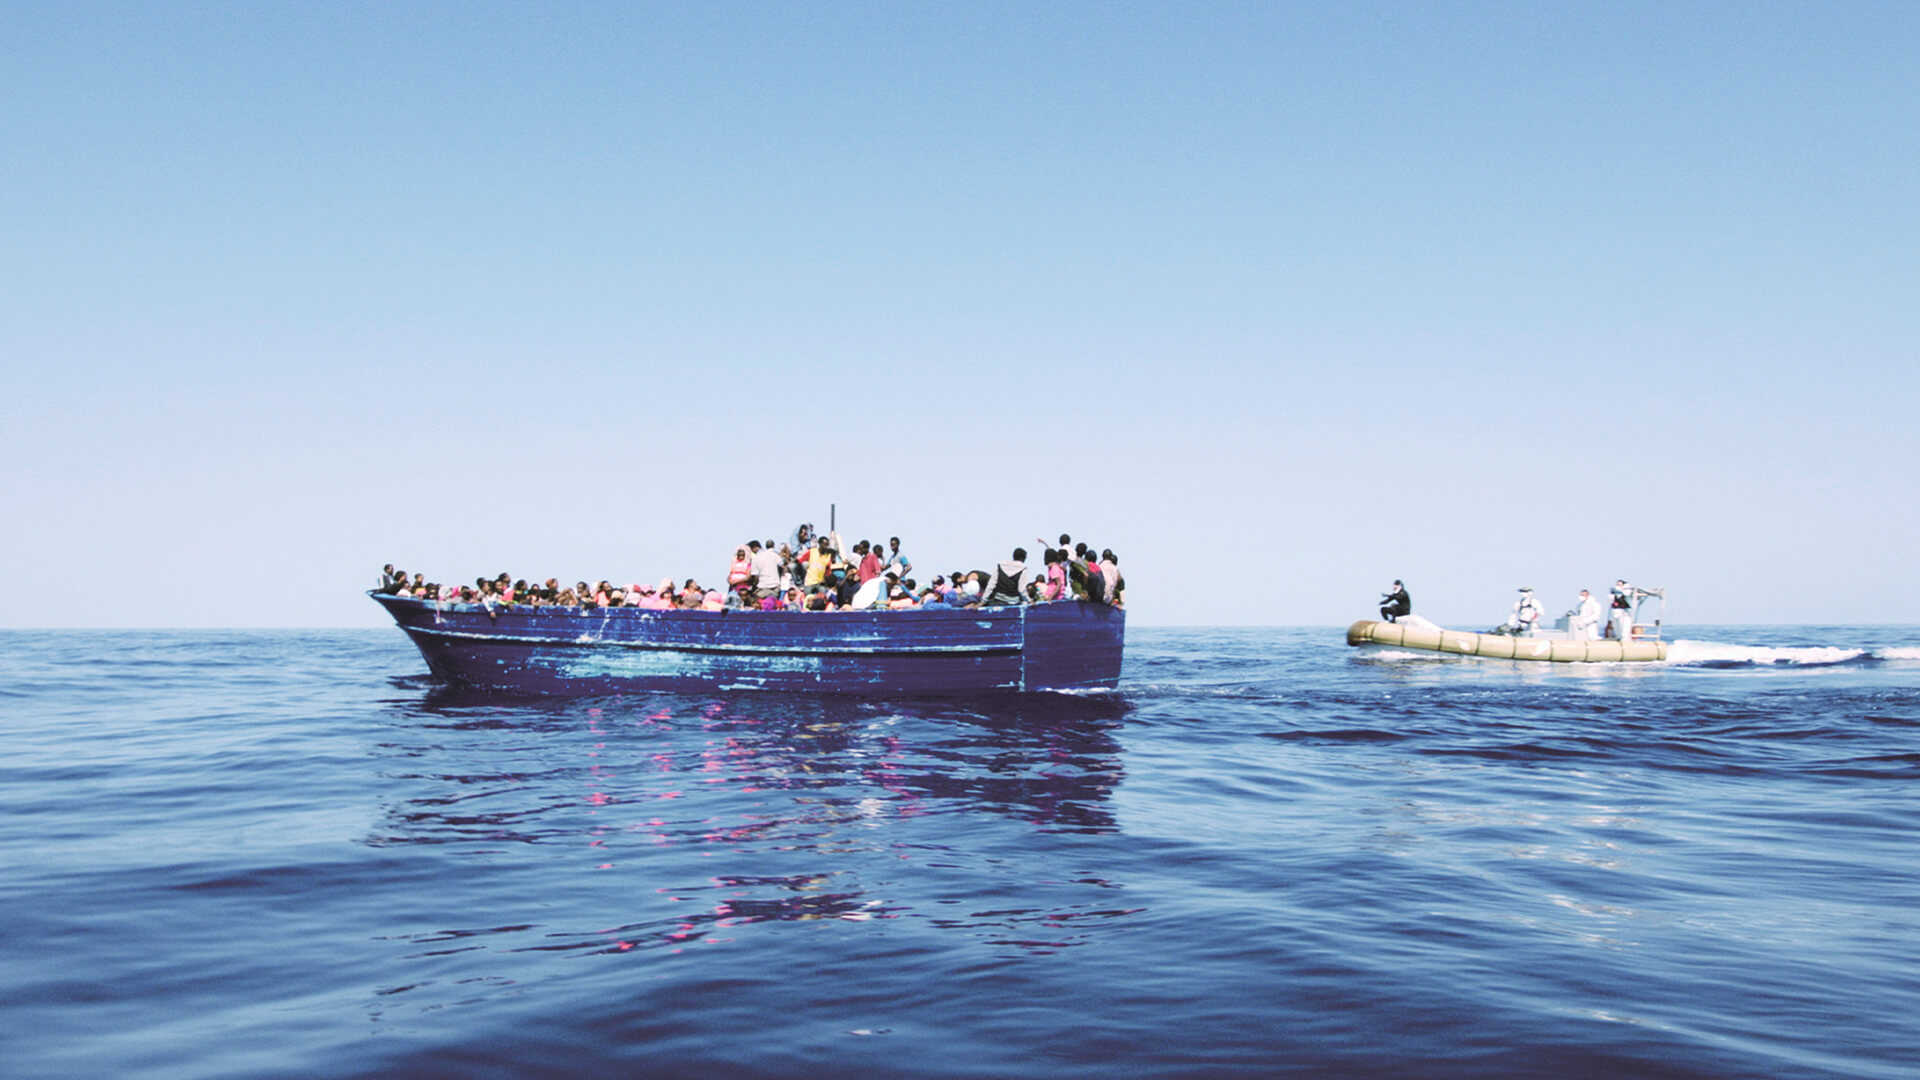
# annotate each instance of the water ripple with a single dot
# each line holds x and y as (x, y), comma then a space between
(1266, 855)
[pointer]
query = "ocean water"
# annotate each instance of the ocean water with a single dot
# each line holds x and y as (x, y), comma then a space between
(263, 854)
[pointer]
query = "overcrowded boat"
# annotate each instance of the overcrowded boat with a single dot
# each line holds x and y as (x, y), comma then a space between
(815, 614)
(1053, 645)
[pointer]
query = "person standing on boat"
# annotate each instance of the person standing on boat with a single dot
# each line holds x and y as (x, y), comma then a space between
(1584, 619)
(1007, 583)
(1056, 570)
(1093, 583)
(766, 567)
(868, 567)
(1395, 603)
(1063, 553)
(789, 568)
(1526, 612)
(1620, 615)
(896, 563)
(819, 563)
(1110, 570)
(1076, 564)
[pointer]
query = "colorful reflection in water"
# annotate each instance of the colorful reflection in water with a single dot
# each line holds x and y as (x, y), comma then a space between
(663, 794)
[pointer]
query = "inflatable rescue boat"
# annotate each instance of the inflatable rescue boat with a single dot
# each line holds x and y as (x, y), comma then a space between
(1641, 640)
(1414, 632)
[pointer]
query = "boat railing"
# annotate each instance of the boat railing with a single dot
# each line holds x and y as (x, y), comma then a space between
(1642, 630)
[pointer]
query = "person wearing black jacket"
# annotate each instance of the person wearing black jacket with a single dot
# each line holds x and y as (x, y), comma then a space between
(1008, 577)
(1396, 603)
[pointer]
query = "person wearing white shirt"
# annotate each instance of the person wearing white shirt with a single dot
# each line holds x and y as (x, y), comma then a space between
(1526, 612)
(896, 562)
(766, 567)
(1584, 619)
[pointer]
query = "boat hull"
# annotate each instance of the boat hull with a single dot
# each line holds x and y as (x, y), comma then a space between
(1501, 646)
(1066, 645)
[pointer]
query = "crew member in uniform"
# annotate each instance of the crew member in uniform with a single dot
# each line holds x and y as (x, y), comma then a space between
(1396, 603)
(1620, 615)
(1526, 613)
(1584, 619)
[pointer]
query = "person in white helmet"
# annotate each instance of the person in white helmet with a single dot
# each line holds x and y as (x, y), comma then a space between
(1526, 613)
(1584, 619)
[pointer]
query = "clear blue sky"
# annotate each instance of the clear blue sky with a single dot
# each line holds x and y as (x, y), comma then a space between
(1280, 301)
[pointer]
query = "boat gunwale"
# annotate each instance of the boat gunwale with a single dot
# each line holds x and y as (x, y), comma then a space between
(460, 607)
(1001, 620)
(669, 646)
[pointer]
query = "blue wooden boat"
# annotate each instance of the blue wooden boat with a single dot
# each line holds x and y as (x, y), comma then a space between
(1063, 645)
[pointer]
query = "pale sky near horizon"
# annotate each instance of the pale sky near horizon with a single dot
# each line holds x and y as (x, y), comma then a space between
(1279, 301)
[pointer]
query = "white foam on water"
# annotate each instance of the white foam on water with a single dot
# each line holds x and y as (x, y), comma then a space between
(1391, 653)
(1713, 652)
(1898, 654)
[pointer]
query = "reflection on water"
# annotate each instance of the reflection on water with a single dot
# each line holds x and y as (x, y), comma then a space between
(1052, 762)
(702, 815)
(1264, 857)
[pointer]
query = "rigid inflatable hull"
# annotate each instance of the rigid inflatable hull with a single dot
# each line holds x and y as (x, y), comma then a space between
(1501, 646)
(1066, 645)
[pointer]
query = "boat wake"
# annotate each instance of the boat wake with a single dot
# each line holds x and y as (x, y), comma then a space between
(1390, 653)
(1713, 654)
(1689, 653)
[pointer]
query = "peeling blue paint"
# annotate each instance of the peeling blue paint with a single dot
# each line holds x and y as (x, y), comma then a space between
(1065, 645)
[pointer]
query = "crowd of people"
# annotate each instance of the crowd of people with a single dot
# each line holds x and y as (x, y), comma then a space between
(809, 572)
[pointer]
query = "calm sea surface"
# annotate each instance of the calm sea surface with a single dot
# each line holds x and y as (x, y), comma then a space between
(290, 854)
